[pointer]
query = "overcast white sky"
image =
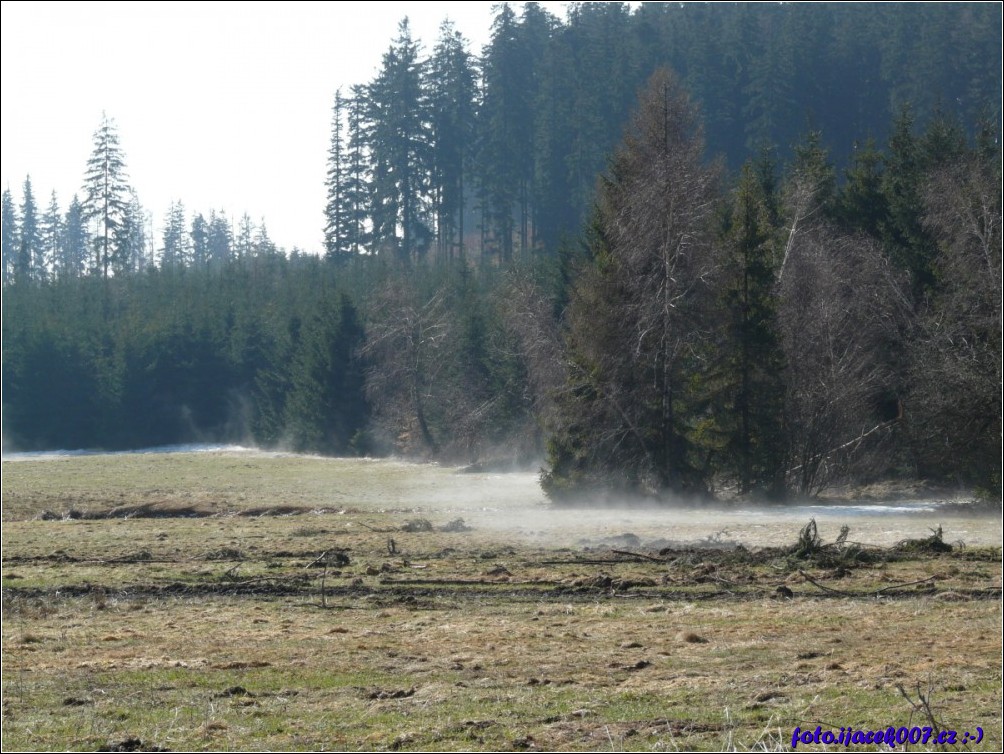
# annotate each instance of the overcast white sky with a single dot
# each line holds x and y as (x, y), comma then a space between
(224, 106)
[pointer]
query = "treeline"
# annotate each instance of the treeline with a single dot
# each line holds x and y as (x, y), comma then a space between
(492, 155)
(495, 155)
(294, 353)
(772, 332)
(770, 320)
(780, 332)
(109, 232)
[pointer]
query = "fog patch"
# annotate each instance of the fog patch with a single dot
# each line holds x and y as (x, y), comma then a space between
(513, 505)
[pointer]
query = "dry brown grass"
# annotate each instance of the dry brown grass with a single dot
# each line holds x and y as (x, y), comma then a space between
(213, 632)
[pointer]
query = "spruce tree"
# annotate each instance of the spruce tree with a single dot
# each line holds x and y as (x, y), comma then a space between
(397, 115)
(337, 210)
(753, 359)
(243, 243)
(131, 247)
(51, 241)
(452, 92)
(505, 125)
(175, 247)
(10, 243)
(219, 240)
(906, 240)
(106, 195)
(73, 255)
(326, 406)
(861, 203)
(200, 241)
(30, 240)
(357, 187)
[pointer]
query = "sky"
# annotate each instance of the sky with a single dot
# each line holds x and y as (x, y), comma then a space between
(224, 106)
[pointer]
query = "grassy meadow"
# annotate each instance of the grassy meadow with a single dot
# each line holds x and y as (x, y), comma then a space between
(248, 601)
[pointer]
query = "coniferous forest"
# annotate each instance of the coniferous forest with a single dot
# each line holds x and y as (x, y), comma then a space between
(680, 249)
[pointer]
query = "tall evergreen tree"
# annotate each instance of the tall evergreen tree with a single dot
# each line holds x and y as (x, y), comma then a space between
(131, 253)
(51, 239)
(263, 245)
(30, 240)
(175, 247)
(397, 114)
(326, 407)
(604, 88)
(753, 359)
(200, 241)
(861, 204)
(73, 256)
(244, 242)
(10, 242)
(556, 211)
(106, 195)
(338, 209)
(506, 150)
(219, 240)
(357, 187)
(906, 240)
(453, 94)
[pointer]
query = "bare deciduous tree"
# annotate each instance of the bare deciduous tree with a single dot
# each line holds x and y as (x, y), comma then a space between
(529, 318)
(405, 339)
(955, 374)
(842, 311)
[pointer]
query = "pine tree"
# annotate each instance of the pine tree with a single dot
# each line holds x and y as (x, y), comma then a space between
(506, 128)
(357, 187)
(397, 115)
(11, 233)
(175, 247)
(603, 91)
(861, 204)
(753, 360)
(263, 244)
(30, 241)
(338, 210)
(219, 240)
(73, 256)
(51, 241)
(200, 241)
(106, 195)
(906, 240)
(326, 407)
(244, 242)
(452, 92)
(131, 247)
(555, 210)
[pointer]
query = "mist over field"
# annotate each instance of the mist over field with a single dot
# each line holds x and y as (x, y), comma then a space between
(510, 504)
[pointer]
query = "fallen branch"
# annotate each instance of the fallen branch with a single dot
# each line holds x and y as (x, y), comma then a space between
(908, 583)
(583, 561)
(378, 531)
(875, 593)
(463, 582)
(641, 555)
(815, 583)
